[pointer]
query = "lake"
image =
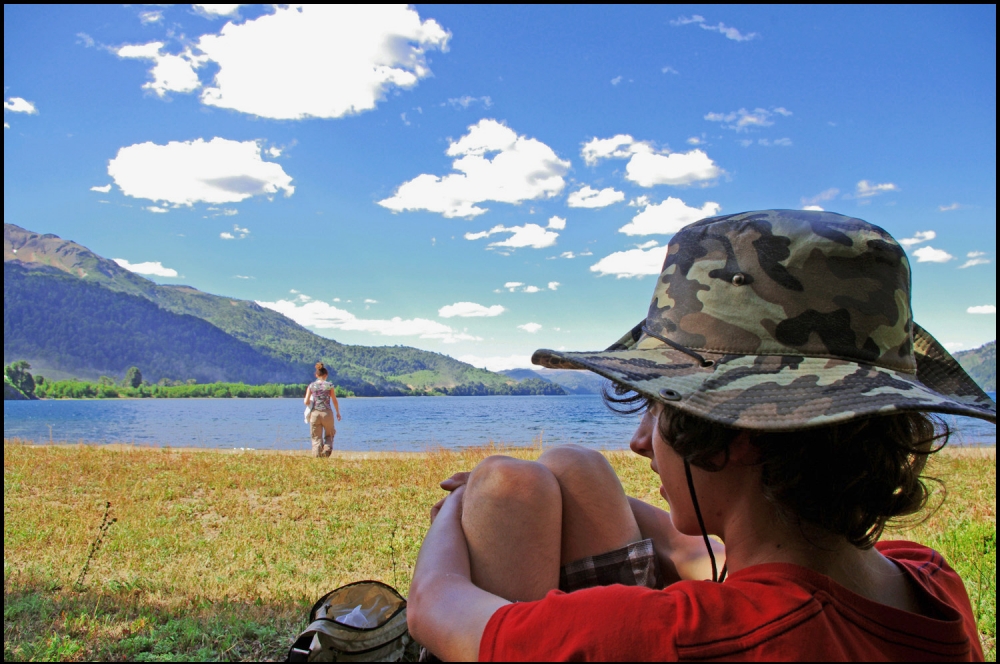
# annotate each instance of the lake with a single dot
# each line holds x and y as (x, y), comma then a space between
(404, 424)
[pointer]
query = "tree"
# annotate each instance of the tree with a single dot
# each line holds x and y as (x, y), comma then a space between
(17, 374)
(133, 377)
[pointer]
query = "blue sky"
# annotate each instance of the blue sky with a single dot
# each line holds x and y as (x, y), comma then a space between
(485, 181)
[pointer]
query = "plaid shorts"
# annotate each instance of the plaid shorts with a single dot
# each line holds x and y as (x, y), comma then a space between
(632, 565)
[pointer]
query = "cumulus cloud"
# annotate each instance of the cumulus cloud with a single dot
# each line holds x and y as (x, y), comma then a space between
(929, 254)
(918, 238)
(868, 189)
(530, 328)
(183, 173)
(237, 234)
(498, 363)
(521, 287)
(322, 61)
(667, 217)
(148, 17)
(19, 105)
(982, 309)
(103, 189)
(744, 120)
(557, 223)
(592, 198)
(812, 202)
(814, 208)
(170, 72)
(320, 315)
(974, 258)
(217, 10)
(949, 208)
(644, 260)
(529, 235)
(620, 146)
(520, 169)
(466, 101)
(470, 310)
(646, 166)
(156, 209)
(155, 269)
(554, 285)
(723, 29)
(368, 300)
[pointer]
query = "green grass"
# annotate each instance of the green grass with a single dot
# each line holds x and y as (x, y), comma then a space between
(218, 556)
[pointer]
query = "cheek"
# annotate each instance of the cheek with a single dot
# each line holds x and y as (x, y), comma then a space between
(675, 489)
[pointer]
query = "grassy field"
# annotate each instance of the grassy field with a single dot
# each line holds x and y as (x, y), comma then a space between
(218, 556)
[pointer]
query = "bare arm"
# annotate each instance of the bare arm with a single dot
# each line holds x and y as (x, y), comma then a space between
(308, 396)
(446, 612)
(681, 556)
(333, 398)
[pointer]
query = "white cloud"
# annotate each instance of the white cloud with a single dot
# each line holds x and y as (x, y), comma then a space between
(521, 287)
(814, 208)
(512, 285)
(530, 328)
(567, 254)
(150, 17)
(647, 170)
(667, 217)
(323, 61)
(323, 316)
(531, 289)
(19, 105)
(644, 260)
(975, 258)
(155, 269)
(620, 146)
(694, 140)
(744, 120)
(104, 189)
(948, 208)
(868, 189)
(529, 235)
(466, 101)
(521, 169)
(170, 72)
(368, 300)
(554, 285)
(983, 309)
(238, 233)
(557, 223)
(470, 310)
(592, 198)
(157, 209)
(616, 80)
(498, 363)
(183, 173)
(931, 255)
(825, 195)
(918, 238)
(669, 70)
(217, 10)
(722, 28)
(242, 276)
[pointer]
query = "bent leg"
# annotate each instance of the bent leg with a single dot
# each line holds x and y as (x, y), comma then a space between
(316, 432)
(511, 515)
(596, 517)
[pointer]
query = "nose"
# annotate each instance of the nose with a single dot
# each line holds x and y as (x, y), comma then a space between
(642, 439)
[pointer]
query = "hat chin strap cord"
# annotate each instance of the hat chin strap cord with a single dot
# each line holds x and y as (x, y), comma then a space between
(677, 346)
(716, 577)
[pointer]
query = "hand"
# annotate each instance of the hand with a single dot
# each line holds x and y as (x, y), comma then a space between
(453, 483)
(338, 417)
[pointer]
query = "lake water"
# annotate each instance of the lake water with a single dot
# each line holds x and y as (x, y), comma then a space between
(404, 424)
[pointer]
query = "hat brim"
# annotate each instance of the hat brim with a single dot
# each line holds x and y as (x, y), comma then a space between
(782, 392)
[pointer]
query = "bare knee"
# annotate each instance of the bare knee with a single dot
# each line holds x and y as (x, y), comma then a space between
(510, 482)
(575, 463)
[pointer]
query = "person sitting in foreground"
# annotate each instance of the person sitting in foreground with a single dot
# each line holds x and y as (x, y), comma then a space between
(785, 392)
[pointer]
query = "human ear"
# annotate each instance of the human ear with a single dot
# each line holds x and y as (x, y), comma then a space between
(742, 450)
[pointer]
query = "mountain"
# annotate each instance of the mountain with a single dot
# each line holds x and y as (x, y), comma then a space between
(276, 345)
(981, 363)
(574, 382)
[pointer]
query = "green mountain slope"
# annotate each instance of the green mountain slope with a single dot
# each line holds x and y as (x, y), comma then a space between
(981, 363)
(365, 370)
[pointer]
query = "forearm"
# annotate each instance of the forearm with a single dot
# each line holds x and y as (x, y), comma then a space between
(446, 612)
(680, 556)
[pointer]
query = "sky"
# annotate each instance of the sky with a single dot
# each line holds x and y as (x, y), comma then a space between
(486, 181)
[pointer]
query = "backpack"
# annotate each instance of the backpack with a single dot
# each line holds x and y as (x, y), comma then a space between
(363, 621)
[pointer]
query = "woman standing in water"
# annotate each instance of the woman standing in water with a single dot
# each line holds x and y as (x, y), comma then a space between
(320, 394)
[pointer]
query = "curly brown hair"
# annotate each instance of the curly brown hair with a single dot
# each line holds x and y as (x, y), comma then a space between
(846, 479)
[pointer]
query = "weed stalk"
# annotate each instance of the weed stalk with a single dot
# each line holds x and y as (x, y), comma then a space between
(102, 531)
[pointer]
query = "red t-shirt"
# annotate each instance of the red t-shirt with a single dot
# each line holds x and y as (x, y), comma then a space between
(766, 612)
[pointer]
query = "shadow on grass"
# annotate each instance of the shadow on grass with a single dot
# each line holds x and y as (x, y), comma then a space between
(47, 623)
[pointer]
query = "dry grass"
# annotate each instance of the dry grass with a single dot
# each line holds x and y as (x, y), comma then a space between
(218, 555)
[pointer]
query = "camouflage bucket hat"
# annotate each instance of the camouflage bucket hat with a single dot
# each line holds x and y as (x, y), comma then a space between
(780, 320)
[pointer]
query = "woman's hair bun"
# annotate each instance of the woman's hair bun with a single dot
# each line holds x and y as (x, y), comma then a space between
(319, 365)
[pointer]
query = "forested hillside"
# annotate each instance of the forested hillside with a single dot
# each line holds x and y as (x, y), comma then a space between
(981, 363)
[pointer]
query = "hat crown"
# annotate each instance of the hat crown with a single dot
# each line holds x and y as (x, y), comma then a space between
(787, 282)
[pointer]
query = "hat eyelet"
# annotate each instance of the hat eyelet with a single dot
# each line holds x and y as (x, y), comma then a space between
(670, 395)
(739, 279)
(708, 363)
